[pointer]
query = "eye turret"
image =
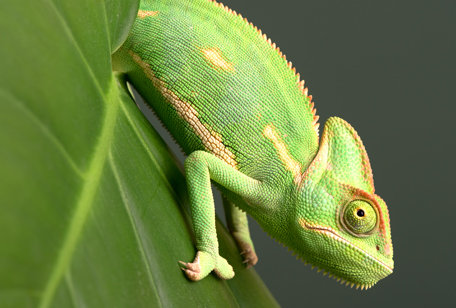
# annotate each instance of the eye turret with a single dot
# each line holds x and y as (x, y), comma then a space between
(359, 217)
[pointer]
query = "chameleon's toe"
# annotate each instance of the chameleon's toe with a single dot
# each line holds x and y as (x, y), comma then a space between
(250, 257)
(223, 269)
(200, 267)
(245, 245)
(192, 270)
(204, 263)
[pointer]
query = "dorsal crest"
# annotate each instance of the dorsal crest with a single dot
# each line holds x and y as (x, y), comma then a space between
(299, 82)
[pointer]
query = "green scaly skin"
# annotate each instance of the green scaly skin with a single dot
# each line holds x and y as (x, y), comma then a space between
(239, 110)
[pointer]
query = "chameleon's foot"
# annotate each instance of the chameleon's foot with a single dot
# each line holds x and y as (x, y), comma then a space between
(245, 245)
(250, 257)
(204, 263)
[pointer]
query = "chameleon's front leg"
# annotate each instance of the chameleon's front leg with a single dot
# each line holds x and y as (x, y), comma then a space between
(200, 168)
(238, 225)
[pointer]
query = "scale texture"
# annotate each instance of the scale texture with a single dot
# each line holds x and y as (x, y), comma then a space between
(238, 108)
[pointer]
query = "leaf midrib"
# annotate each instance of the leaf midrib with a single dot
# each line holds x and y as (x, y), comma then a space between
(86, 197)
(93, 174)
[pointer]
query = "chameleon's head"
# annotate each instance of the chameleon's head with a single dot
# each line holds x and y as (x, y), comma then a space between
(343, 226)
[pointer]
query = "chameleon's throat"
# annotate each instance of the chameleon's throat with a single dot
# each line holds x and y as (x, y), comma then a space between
(332, 234)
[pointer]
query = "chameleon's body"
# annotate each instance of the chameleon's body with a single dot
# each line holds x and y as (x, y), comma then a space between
(235, 105)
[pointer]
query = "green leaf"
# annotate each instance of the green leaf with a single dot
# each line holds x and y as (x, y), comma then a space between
(93, 206)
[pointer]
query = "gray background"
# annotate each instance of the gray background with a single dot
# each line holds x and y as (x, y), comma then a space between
(388, 68)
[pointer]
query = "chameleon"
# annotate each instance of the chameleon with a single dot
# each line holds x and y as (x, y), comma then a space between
(240, 111)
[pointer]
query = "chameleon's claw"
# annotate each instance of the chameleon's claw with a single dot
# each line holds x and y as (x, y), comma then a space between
(250, 257)
(248, 263)
(204, 263)
(183, 263)
(191, 266)
(245, 246)
(192, 270)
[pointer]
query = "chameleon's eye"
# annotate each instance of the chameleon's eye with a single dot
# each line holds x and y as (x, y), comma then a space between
(360, 217)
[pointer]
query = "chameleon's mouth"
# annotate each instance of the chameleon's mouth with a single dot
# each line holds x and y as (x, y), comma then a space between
(332, 234)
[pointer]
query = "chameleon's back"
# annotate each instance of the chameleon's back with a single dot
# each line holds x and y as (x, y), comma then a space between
(219, 85)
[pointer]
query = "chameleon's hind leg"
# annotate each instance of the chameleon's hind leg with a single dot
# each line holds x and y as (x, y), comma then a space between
(200, 168)
(238, 225)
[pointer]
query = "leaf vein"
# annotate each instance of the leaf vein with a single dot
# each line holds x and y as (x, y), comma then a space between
(135, 231)
(43, 128)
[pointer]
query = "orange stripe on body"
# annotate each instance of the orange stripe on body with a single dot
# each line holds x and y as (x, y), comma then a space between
(211, 140)
(143, 14)
(289, 162)
(216, 58)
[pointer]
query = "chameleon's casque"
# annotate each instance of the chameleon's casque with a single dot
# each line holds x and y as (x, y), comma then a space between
(240, 111)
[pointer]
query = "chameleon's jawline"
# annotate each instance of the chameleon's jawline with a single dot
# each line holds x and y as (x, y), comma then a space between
(330, 232)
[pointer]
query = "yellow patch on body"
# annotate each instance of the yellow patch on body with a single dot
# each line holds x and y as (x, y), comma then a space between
(211, 140)
(289, 162)
(214, 56)
(143, 14)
